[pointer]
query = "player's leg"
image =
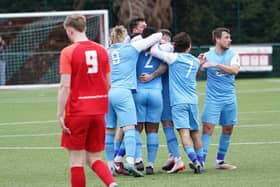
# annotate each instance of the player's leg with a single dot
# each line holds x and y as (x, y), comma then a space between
(153, 114)
(76, 145)
(111, 123)
(210, 117)
(118, 142)
(126, 113)
(95, 162)
(138, 154)
(168, 127)
(194, 132)
(119, 149)
(151, 130)
(189, 149)
(228, 120)
(172, 144)
(95, 146)
(140, 99)
(77, 174)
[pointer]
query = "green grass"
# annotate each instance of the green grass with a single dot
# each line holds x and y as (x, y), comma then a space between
(30, 154)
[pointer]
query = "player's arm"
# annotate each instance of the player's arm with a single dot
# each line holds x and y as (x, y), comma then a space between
(202, 59)
(145, 43)
(146, 77)
(107, 69)
(63, 94)
(108, 77)
(168, 57)
(64, 87)
(233, 68)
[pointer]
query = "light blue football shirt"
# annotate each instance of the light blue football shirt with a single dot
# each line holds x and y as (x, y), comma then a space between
(183, 68)
(148, 64)
(182, 79)
(220, 85)
(123, 59)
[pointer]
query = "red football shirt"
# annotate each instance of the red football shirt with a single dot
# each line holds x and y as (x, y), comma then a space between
(88, 64)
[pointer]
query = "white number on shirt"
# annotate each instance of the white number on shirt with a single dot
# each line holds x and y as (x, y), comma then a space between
(190, 68)
(149, 62)
(115, 57)
(91, 60)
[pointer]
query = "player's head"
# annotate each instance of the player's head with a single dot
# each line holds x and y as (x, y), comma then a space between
(148, 31)
(137, 25)
(182, 42)
(75, 23)
(166, 36)
(221, 37)
(118, 34)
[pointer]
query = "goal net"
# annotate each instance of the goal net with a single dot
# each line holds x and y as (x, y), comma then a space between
(33, 41)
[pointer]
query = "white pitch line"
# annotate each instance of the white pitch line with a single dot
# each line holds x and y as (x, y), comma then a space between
(30, 148)
(256, 112)
(161, 146)
(28, 135)
(28, 122)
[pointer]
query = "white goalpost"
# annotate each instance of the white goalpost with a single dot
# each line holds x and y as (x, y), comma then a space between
(30, 57)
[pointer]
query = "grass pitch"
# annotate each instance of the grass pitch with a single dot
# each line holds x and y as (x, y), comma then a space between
(30, 155)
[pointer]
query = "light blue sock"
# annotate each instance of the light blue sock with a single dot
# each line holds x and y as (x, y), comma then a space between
(171, 141)
(130, 142)
(200, 155)
(138, 153)
(117, 146)
(206, 140)
(109, 146)
(223, 146)
(152, 147)
(191, 154)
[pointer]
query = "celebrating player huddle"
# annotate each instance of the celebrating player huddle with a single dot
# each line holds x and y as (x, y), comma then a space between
(152, 81)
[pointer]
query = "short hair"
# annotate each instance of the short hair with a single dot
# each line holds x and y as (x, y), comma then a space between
(182, 41)
(148, 31)
(76, 21)
(217, 33)
(165, 32)
(118, 33)
(134, 22)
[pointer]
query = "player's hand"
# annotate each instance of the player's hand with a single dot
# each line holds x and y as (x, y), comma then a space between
(63, 126)
(202, 58)
(145, 77)
(209, 64)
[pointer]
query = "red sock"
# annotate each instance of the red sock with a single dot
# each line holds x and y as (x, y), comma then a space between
(78, 178)
(103, 172)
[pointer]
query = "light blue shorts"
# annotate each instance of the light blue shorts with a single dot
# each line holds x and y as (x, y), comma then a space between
(185, 116)
(220, 113)
(148, 104)
(121, 108)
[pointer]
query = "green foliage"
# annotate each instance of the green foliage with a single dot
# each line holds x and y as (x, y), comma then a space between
(250, 21)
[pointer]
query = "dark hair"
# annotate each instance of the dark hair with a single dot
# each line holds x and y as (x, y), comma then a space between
(134, 22)
(182, 41)
(148, 31)
(165, 32)
(217, 33)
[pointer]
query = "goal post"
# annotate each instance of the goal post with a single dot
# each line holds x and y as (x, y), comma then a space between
(34, 41)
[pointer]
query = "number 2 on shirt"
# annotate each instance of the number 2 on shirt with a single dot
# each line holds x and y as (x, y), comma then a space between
(91, 60)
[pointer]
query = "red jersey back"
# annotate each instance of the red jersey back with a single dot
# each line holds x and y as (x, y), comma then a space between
(88, 64)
